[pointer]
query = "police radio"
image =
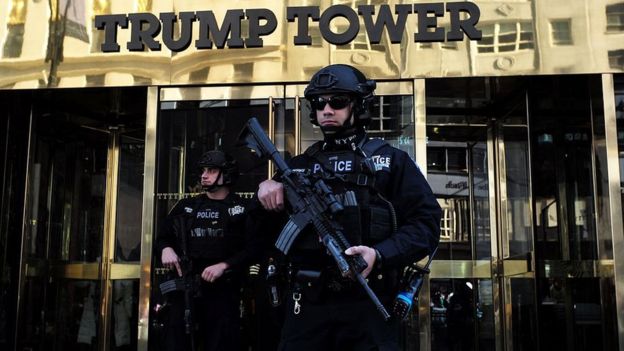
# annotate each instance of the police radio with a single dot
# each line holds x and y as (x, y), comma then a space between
(409, 287)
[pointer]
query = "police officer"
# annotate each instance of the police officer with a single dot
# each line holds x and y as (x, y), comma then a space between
(395, 221)
(209, 230)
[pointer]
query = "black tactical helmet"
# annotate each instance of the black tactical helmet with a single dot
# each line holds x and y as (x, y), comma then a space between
(222, 161)
(340, 78)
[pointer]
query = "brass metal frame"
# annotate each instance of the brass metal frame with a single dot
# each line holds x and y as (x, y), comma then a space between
(108, 246)
(420, 124)
(496, 264)
(615, 201)
(89, 271)
(228, 92)
(420, 150)
(147, 229)
(530, 171)
(80, 61)
(296, 91)
(297, 123)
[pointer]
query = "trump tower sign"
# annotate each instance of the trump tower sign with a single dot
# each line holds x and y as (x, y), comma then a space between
(176, 29)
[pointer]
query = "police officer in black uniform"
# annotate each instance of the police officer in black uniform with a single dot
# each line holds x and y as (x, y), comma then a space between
(215, 243)
(395, 222)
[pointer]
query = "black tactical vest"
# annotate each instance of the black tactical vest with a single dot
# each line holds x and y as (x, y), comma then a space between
(367, 217)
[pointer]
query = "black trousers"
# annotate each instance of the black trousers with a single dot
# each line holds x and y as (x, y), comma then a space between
(339, 325)
(216, 316)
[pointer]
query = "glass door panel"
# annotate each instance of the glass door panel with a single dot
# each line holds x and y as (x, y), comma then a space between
(529, 208)
(477, 165)
(572, 288)
(518, 210)
(211, 118)
(64, 234)
(129, 196)
(71, 202)
(122, 283)
(515, 242)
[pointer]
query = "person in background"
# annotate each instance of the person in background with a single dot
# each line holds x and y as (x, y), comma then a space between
(207, 236)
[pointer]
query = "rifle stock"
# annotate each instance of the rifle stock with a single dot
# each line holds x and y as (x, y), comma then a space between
(311, 203)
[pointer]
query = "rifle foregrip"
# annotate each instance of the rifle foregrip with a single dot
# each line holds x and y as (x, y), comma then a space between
(359, 263)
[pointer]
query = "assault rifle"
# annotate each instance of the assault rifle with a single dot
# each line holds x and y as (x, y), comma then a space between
(188, 283)
(311, 203)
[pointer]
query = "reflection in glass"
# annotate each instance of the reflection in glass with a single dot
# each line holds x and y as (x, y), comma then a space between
(615, 17)
(125, 315)
(462, 315)
(616, 59)
(523, 313)
(15, 29)
(67, 188)
(506, 37)
(519, 219)
(130, 197)
(457, 165)
(69, 314)
(562, 161)
(570, 314)
(561, 31)
(391, 120)
(569, 294)
(187, 129)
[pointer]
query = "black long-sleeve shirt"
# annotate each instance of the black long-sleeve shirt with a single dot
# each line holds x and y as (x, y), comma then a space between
(216, 231)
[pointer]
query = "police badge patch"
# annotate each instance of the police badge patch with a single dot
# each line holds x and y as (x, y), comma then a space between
(233, 211)
(381, 162)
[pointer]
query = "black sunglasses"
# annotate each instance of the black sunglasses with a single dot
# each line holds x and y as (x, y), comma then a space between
(336, 102)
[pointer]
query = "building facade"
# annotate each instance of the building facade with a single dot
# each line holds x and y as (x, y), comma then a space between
(514, 111)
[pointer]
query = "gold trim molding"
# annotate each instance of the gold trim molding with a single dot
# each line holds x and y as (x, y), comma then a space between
(518, 38)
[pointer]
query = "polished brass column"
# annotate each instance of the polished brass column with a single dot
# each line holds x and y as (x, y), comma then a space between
(614, 198)
(148, 216)
(108, 246)
(420, 147)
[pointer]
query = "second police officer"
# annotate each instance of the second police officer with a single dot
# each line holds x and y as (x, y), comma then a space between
(391, 218)
(209, 230)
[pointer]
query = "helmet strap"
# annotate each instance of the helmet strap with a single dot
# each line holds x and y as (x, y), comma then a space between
(214, 186)
(341, 131)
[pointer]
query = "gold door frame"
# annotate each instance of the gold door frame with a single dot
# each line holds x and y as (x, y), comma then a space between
(613, 217)
(147, 227)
